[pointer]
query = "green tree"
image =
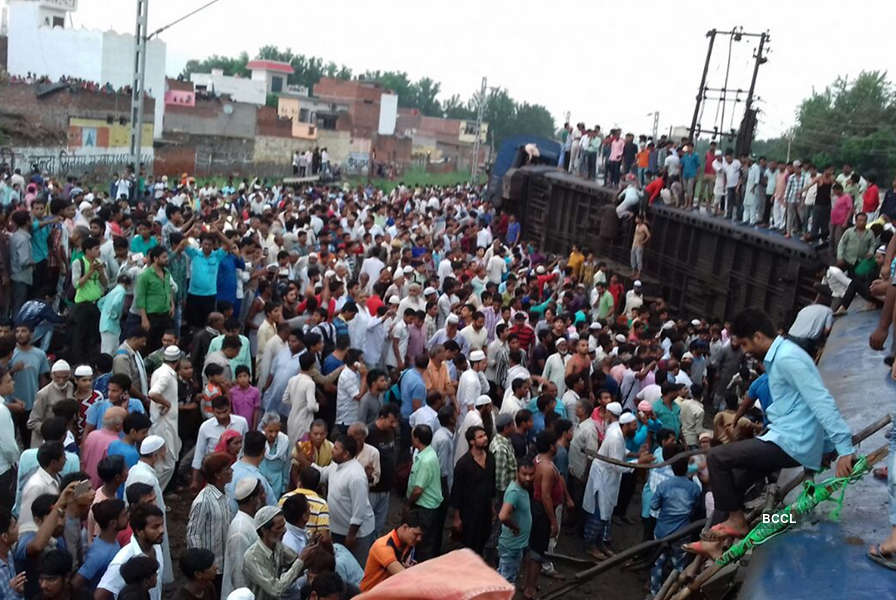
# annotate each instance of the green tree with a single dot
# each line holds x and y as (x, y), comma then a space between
(424, 93)
(230, 65)
(455, 108)
(849, 122)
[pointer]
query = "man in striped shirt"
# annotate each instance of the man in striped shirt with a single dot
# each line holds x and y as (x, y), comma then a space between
(319, 521)
(793, 196)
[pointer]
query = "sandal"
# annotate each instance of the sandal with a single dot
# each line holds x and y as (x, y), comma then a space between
(884, 559)
(720, 531)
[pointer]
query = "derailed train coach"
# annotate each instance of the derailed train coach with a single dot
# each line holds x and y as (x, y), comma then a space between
(702, 265)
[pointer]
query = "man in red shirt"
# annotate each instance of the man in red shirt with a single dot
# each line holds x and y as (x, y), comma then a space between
(871, 197)
(708, 180)
(524, 333)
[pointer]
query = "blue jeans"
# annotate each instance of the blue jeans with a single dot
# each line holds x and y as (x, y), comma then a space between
(597, 530)
(379, 501)
(43, 335)
(657, 572)
(509, 561)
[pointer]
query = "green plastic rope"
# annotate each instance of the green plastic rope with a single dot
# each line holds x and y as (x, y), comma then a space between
(812, 495)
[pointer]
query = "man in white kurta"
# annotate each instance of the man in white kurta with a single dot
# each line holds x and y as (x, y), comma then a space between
(473, 418)
(602, 488)
(241, 534)
(302, 402)
(152, 451)
(163, 412)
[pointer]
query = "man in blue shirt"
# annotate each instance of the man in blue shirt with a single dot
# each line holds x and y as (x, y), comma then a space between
(758, 390)
(802, 419)
(111, 517)
(676, 500)
(204, 263)
(413, 396)
(513, 231)
(690, 164)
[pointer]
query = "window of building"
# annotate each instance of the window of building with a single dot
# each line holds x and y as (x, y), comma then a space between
(303, 115)
(326, 122)
(58, 21)
(276, 84)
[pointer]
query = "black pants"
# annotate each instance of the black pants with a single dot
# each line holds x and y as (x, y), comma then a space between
(857, 286)
(158, 324)
(734, 467)
(198, 308)
(85, 330)
(626, 491)
(591, 164)
(613, 167)
(8, 488)
(767, 202)
(41, 277)
(821, 223)
(427, 548)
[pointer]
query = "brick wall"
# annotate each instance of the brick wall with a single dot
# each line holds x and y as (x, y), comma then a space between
(278, 150)
(392, 149)
(269, 123)
(48, 116)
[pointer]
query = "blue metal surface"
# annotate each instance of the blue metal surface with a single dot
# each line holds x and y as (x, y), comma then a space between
(822, 559)
(507, 154)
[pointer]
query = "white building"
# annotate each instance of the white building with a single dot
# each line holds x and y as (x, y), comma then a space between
(268, 77)
(40, 44)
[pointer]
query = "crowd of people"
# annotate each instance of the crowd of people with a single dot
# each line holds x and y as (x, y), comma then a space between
(346, 382)
(795, 198)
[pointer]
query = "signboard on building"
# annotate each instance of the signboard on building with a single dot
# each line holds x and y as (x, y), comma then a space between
(98, 133)
(388, 114)
(180, 98)
(70, 5)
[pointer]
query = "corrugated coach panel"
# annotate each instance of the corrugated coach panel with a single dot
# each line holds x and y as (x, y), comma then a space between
(703, 264)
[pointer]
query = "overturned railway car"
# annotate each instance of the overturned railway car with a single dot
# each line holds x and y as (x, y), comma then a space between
(702, 265)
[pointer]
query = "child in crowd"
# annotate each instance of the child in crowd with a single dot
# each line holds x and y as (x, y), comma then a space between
(245, 398)
(198, 566)
(215, 387)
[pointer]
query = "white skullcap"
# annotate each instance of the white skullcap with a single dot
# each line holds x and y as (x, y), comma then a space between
(83, 371)
(241, 594)
(477, 355)
(60, 365)
(265, 515)
(482, 400)
(244, 487)
(150, 444)
(452, 319)
(393, 299)
(428, 291)
(615, 408)
(171, 353)
(627, 418)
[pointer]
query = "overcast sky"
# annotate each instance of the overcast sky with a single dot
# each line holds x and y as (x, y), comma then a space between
(605, 62)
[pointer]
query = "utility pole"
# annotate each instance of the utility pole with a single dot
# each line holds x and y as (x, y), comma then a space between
(711, 34)
(656, 123)
(140, 39)
(480, 113)
(137, 87)
(760, 59)
(748, 125)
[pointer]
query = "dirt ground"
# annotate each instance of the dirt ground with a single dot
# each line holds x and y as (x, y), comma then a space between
(616, 584)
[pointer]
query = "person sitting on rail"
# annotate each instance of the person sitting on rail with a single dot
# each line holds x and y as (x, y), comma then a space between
(802, 419)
